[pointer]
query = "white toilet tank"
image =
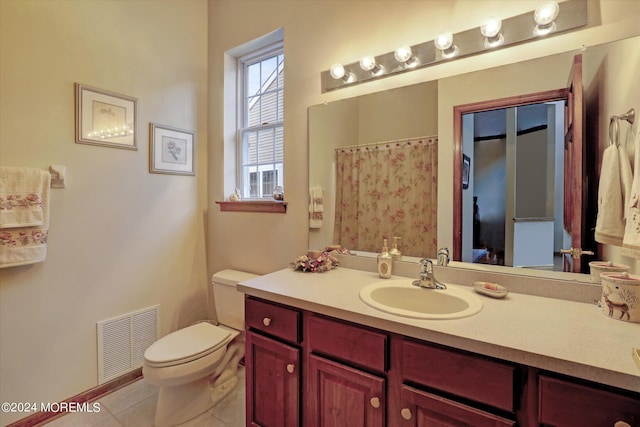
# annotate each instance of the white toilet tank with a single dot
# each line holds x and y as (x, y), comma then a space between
(229, 302)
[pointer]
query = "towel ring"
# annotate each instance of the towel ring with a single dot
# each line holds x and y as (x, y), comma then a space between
(614, 131)
(629, 116)
(614, 125)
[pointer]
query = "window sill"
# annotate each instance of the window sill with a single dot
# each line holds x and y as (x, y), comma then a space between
(253, 206)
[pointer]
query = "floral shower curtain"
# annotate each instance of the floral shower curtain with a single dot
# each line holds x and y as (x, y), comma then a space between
(386, 190)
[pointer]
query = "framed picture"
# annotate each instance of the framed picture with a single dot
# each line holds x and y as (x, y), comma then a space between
(171, 150)
(466, 168)
(105, 118)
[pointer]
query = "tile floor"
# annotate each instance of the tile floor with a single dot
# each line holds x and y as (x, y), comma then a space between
(135, 405)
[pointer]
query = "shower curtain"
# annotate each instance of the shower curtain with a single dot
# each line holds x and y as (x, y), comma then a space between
(385, 190)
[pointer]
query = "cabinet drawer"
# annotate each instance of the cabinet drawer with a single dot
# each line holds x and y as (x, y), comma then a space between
(355, 344)
(276, 320)
(567, 404)
(464, 375)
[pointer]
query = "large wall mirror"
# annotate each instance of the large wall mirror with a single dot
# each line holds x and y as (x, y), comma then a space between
(417, 111)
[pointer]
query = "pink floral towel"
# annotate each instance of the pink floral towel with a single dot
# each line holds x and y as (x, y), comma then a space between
(21, 197)
(25, 216)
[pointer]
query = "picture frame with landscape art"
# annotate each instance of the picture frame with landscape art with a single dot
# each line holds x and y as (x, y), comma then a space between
(105, 118)
(171, 150)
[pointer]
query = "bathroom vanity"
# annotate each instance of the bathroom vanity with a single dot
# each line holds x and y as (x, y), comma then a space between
(318, 355)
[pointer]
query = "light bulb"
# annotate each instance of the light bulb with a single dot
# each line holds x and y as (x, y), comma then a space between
(336, 71)
(546, 13)
(444, 41)
(368, 63)
(402, 54)
(491, 27)
(544, 16)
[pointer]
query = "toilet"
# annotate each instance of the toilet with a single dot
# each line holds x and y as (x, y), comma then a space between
(195, 367)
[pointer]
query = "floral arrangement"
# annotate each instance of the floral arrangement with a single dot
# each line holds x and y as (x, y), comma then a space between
(318, 261)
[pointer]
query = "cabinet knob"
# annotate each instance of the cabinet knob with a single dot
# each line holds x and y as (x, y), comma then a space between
(621, 424)
(375, 402)
(406, 413)
(290, 368)
(266, 321)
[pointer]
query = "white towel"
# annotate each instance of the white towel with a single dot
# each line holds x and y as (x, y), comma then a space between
(316, 207)
(615, 178)
(27, 245)
(21, 197)
(631, 239)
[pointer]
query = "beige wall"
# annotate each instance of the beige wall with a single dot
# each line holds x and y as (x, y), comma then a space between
(320, 33)
(333, 125)
(399, 113)
(617, 89)
(120, 238)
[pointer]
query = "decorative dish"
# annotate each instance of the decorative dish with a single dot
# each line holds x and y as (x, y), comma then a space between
(490, 289)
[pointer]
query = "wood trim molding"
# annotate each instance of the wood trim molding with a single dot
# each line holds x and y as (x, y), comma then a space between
(41, 418)
(253, 206)
(458, 112)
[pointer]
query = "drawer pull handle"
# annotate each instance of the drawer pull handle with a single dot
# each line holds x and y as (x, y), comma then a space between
(621, 424)
(290, 368)
(266, 321)
(375, 402)
(406, 413)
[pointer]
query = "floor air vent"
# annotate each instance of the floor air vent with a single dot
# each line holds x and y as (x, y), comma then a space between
(123, 340)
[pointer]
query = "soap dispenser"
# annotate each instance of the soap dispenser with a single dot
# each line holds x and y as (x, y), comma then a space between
(385, 262)
(395, 252)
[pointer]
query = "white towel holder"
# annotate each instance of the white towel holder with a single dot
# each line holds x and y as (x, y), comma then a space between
(58, 176)
(614, 127)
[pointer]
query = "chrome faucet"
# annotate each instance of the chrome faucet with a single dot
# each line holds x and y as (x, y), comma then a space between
(427, 278)
(443, 257)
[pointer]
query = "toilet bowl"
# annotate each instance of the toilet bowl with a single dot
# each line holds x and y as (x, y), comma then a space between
(195, 367)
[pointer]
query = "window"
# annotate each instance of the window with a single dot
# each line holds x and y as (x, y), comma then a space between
(261, 122)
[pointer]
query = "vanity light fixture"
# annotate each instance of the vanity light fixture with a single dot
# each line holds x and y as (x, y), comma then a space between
(444, 43)
(404, 55)
(368, 63)
(545, 16)
(338, 72)
(490, 29)
(496, 33)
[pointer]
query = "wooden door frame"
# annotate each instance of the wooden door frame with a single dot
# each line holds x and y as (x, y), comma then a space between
(477, 107)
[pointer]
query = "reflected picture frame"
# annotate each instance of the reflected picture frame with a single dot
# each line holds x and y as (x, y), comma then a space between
(105, 118)
(466, 169)
(171, 150)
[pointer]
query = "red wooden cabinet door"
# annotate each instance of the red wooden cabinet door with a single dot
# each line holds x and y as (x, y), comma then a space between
(273, 382)
(341, 396)
(422, 409)
(565, 404)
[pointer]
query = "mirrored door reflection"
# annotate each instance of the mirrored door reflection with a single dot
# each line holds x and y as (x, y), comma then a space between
(513, 203)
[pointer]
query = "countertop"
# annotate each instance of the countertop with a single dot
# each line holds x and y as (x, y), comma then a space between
(567, 337)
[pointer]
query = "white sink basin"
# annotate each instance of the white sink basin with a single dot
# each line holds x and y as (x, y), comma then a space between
(400, 297)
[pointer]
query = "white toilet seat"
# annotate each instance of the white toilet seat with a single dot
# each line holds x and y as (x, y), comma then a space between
(186, 345)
